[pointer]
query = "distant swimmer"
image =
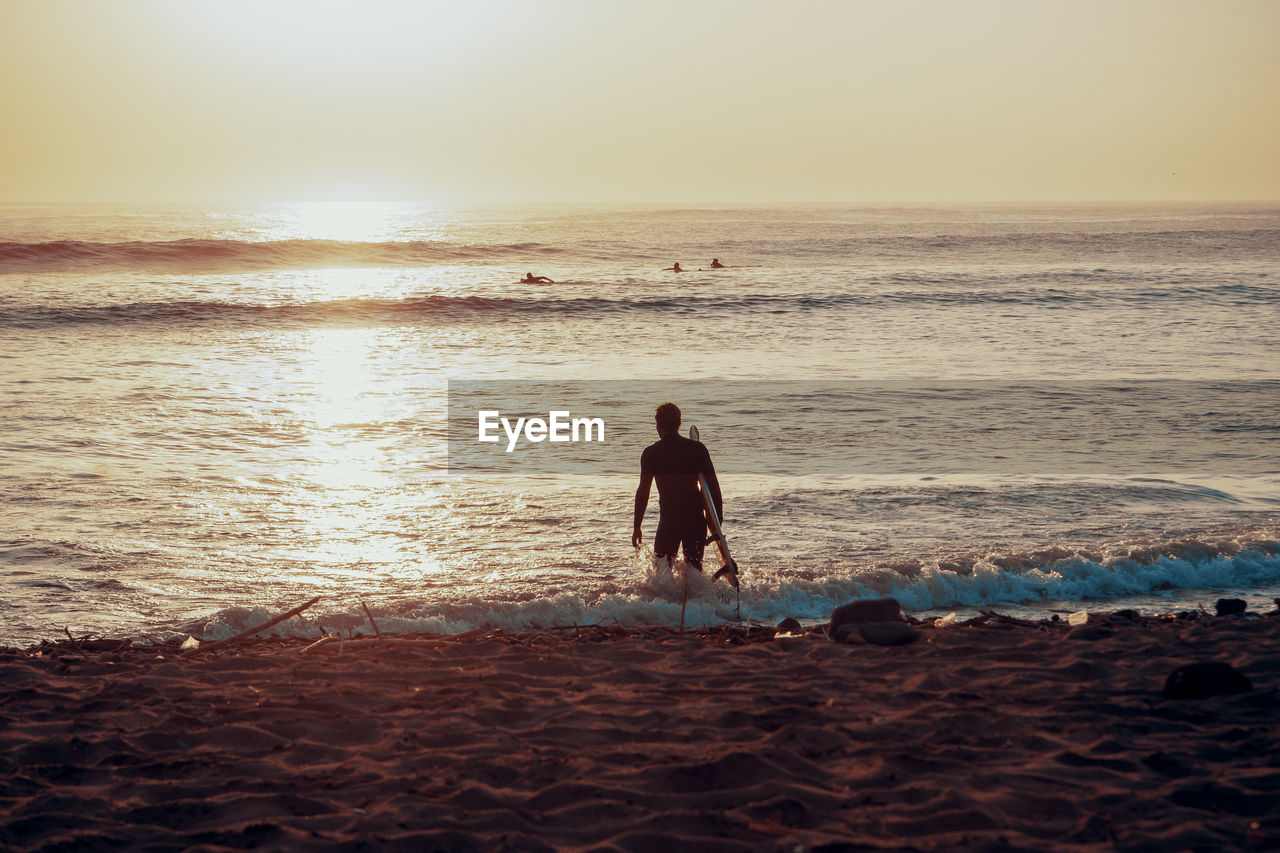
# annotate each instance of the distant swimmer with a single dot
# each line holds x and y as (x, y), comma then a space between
(675, 268)
(716, 265)
(530, 278)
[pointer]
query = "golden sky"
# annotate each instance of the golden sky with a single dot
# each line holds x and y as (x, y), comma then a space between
(680, 101)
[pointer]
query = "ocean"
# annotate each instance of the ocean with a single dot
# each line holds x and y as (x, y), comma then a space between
(213, 414)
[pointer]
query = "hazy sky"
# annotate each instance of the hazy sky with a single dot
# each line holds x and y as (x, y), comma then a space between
(606, 100)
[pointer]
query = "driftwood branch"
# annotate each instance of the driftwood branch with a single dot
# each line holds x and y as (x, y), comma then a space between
(264, 626)
(371, 622)
(323, 643)
(1010, 620)
(320, 642)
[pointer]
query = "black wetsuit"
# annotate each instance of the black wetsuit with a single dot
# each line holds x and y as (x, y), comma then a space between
(675, 462)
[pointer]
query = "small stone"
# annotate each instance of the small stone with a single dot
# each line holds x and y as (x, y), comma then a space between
(849, 634)
(860, 612)
(1204, 679)
(888, 633)
(1231, 606)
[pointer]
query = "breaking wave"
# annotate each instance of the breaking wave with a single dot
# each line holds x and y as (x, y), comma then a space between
(211, 255)
(1057, 577)
(476, 308)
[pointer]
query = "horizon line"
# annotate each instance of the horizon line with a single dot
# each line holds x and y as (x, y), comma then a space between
(639, 203)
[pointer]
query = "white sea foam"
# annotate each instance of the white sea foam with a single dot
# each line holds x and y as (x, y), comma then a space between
(1167, 584)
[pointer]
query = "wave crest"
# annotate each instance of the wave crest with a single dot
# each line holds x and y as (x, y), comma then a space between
(70, 255)
(477, 308)
(1031, 580)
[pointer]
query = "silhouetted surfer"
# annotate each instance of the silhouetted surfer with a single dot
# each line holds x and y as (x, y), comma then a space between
(675, 268)
(716, 265)
(530, 278)
(675, 462)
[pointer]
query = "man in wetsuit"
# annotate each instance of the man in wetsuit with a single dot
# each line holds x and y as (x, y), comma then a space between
(675, 462)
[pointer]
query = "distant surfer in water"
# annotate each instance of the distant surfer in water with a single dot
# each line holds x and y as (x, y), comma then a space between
(716, 265)
(675, 268)
(675, 462)
(530, 278)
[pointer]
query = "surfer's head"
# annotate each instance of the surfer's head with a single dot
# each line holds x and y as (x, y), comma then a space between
(667, 417)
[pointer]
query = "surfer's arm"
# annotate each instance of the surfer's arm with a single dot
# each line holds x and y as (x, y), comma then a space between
(642, 500)
(642, 497)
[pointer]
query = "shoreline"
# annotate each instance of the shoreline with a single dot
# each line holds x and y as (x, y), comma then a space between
(1185, 571)
(989, 734)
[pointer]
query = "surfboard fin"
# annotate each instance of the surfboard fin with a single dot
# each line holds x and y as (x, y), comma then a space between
(730, 572)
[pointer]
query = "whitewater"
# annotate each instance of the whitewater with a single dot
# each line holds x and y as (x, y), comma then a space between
(210, 414)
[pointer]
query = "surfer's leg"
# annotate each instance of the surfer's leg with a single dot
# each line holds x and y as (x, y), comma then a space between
(693, 545)
(666, 543)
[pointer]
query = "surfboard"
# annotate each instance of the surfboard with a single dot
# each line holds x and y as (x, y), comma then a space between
(728, 568)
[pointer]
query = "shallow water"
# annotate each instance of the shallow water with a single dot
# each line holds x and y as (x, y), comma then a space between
(210, 411)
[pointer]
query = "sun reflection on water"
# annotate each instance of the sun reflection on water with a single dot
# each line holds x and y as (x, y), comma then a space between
(352, 221)
(352, 465)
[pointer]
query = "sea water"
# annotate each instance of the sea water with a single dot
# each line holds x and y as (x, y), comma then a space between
(211, 414)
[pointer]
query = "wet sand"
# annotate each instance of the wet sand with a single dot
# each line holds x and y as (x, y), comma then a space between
(984, 736)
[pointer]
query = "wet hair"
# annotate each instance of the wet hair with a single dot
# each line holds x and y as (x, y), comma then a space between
(668, 416)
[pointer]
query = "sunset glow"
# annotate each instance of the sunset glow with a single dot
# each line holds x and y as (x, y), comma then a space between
(568, 100)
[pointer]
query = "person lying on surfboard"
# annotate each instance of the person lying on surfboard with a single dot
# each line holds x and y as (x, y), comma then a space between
(675, 268)
(675, 462)
(530, 278)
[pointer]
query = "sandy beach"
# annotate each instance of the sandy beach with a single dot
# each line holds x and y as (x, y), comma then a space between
(990, 735)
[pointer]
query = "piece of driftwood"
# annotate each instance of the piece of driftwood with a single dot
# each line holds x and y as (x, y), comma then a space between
(1011, 620)
(320, 642)
(371, 622)
(264, 626)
